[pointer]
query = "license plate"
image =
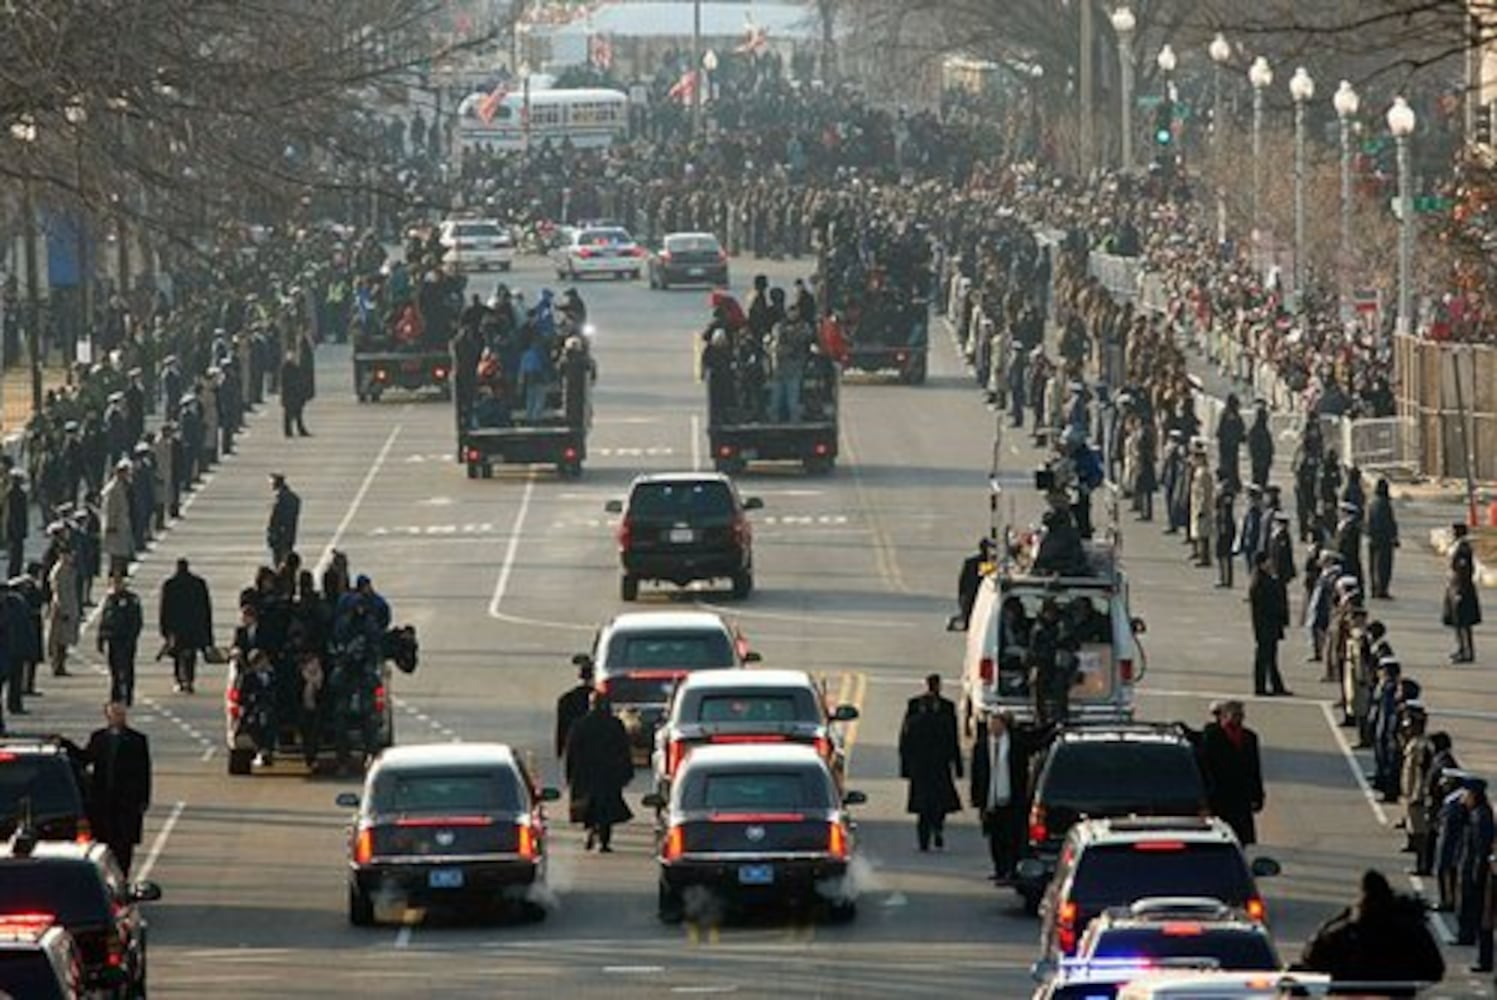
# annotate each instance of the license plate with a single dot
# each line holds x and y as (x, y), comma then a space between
(696, 272)
(445, 878)
(682, 536)
(755, 874)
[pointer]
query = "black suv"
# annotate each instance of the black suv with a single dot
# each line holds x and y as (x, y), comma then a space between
(684, 527)
(81, 888)
(39, 786)
(1094, 772)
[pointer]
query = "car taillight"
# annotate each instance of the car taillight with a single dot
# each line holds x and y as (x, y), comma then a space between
(625, 534)
(1038, 832)
(1181, 928)
(1256, 911)
(379, 699)
(1065, 926)
(822, 448)
(741, 531)
(584, 253)
(836, 840)
(1125, 670)
(439, 373)
(1159, 845)
(675, 750)
(525, 842)
(570, 454)
(636, 251)
(985, 670)
(901, 357)
(675, 844)
(823, 746)
(473, 455)
(363, 846)
(233, 703)
(116, 945)
(725, 451)
(380, 375)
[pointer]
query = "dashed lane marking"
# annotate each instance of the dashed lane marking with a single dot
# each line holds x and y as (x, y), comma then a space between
(159, 844)
(358, 501)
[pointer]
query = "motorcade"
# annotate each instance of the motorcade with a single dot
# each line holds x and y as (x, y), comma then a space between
(1116, 862)
(476, 245)
(683, 527)
(449, 824)
(639, 658)
(39, 960)
(746, 825)
(81, 889)
(749, 708)
(1101, 979)
(1098, 771)
(556, 435)
(40, 789)
(738, 435)
(1188, 929)
(588, 251)
(688, 259)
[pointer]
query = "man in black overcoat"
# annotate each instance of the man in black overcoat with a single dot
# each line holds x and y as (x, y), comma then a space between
(599, 765)
(186, 622)
(1234, 772)
(118, 787)
(928, 755)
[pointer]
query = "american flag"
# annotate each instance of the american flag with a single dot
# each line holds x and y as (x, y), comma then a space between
(489, 106)
(684, 89)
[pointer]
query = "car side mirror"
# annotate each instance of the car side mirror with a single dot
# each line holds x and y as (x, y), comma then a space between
(550, 794)
(581, 660)
(1265, 868)
(348, 800)
(1030, 870)
(753, 503)
(956, 623)
(614, 507)
(854, 798)
(1139, 626)
(752, 657)
(1043, 970)
(845, 713)
(145, 892)
(654, 800)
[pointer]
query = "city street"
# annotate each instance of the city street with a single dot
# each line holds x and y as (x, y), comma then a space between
(856, 573)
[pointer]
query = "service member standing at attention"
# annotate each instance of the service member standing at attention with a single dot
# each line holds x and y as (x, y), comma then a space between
(928, 754)
(285, 513)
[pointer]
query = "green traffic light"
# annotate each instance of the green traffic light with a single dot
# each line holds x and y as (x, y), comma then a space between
(1163, 136)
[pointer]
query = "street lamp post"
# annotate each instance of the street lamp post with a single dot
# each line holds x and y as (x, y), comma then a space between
(1346, 102)
(1301, 89)
(77, 116)
(1123, 23)
(24, 131)
(696, 68)
(1220, 50)
(709, 71)
(1165, 140)
(1261, 77)
(1401, 123)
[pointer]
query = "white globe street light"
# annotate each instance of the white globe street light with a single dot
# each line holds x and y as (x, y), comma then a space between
(1261, 77)
(1301, 89)
(1401, 122)
(1167, 59)
(1220, 51)
(1123, 23)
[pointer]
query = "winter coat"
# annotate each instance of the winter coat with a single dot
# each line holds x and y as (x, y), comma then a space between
(1462, 605)
(186, 613)
(114, 502)
(1202, 500)
(928, 754)
(65, 615)
(599, 765)
(1388, 943)
(1234, 776)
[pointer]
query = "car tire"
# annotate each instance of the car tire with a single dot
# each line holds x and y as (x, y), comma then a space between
(743, 584)
(472, 470)
(241, 762)
(843, 911)
(360, 907)
(669, 906)
(629, 587)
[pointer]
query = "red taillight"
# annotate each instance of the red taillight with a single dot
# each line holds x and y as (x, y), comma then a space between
(675, 752)
(116, 956)
(1065, 926)
(1159, 845)
(821, 448)
(380, 375)
(427, 822)
(363, 847)
(6, 757)
(1181, 928)
(1038, 832)
(525, 845)
(901, 357)
(584, 253)
(675, 844)
(379, 700)
(836, 840)
(985, 670)
(473, 455)
(439, 373)
(823, 746)
(746, 738)
(636, 251)
(625, 534)
(725, 451)
(26, 922)
(1256, 911)
(1125, 670)
(570, 454)
(233, 703)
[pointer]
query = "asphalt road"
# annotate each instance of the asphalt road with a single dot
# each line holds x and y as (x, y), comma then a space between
(506, 578)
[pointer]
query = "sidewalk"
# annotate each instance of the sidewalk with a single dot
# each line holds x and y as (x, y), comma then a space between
(15, 395)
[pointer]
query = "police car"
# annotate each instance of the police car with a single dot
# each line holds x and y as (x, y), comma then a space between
(585, 251)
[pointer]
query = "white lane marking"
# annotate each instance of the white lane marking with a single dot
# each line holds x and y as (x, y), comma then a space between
(403, 937)
(512, 549)
(703, 990)
(1354, 764)
(159, 844)
(632, 970)
(696, 443)
(358, 501)
(207, 754)
(884, 557)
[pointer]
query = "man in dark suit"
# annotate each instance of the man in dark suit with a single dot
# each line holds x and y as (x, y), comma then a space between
(119, 783)
(1234, 772)
(573, 705)
(1270, 613)
(969, 581)
(928, 754)
(285, 513)
(1002, 756)
(186, 622)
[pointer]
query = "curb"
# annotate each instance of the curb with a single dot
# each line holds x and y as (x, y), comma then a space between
(1442, 541)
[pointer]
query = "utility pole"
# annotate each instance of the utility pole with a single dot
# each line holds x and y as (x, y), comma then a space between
(696, 68)
(1084, 78)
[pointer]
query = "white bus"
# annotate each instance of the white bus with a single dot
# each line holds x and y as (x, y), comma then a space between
(591, 118)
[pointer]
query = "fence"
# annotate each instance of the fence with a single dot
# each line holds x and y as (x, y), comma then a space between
(1448, 392)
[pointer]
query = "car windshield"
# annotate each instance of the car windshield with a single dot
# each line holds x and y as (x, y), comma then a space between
(483, 230)
(27, 974)
(758, 791)
(602, 237)
(1116, 875)
(681, 501)
(72, 891)
(691, 244)
(1107, 776)
(670, 651)
(756, 706)
(44, 784)
(447, 792)
(1233, 950)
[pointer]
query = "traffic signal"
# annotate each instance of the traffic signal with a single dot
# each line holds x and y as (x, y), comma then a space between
(1483, 135)
(1164, 123)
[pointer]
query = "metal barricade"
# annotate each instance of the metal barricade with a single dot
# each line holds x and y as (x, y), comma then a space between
(1119, 275)
(1380, 444)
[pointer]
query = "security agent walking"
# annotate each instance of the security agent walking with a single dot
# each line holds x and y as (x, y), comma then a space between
(573, 705)
(285, 514)
(599, 765)
(118, 789)
(929, 753)
(1002, 756)
(186, 622)
(969, 580)
(294, 396)
(1270, 611)
(120, 622)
